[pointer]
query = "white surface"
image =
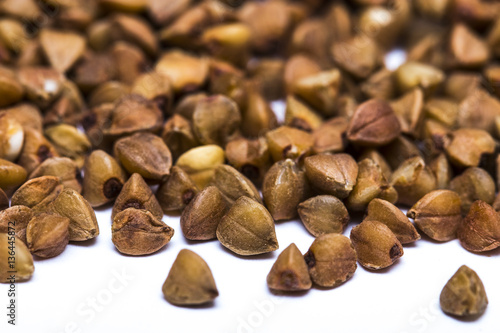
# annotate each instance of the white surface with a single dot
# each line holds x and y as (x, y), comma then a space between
(401, 299)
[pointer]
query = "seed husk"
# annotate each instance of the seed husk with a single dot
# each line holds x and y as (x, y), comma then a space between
(287, 142)
(190, 281)
(473, 184)
(376, 245)
(480, 229)
(178, 135)
(137, 232)
(284, 187)
(464, 294)
(330, 136)
(413, 179)
(289, 271)
(137, 194)
(466, 146)
(370, 184)
(332, 174)
(200, 163)
(323, 214)
(62, 167)
(438, 214)
(36, 149)
(21, 215)
(215, 120)
(200, 218)
(23, 263)
(331, 260)
(232, 184)
(47, 235)
(374, 123)
(103, 178)
(11, 175)
(177, 192)
(385, 212)
(247, 228)
(145, 154)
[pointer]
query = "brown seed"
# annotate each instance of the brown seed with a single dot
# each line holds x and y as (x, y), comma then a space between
(480, 229)
(298, 67)
(249, 156)
(135, 30)
(229, 42)
(20, 216)
(36, 149)
(332, 174)
(287, 142)
(320, 90)
(23, 260)
(215, 120)
(268, 75)
(247, 228)
(200, 218)
(443, 110)
(370, 184)
(42, 84)
(83, 223)
(385, 212)
(178, 135)
(464, 294)
(137, 194)
(331, 260)
(11, 175)
(413, 179)
(11, 137)
(409, 110)
(330, 136)
(232, 184)
(473, 184)
(4, 200)
(414, 74)
(379, 160)
(379, 85)
(300, 116)
(289, 271)
(438, 214)
(200, 163)
(137, 232)
(63, 168)
(399, 150)
(284, 187)
(47, 235)
(108, 92)
(69, 141)
(373, 124)
(154, 87)
(190, 281)
(177, 192)
(323, 214)
(103, 178)
(466, 146)
(376, 245)
(145, 154)
(62, 48)
(467, 48)
(359, 56)
(258, 117)
(186, 105)
(225, 79)
(37, 191)
(478, 110)
(442, 170)
(11, 89)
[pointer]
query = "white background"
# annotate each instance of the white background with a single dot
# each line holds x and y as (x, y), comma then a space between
(401, 299)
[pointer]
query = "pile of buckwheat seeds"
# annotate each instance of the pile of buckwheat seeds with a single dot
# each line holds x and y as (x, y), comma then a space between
(102, 101)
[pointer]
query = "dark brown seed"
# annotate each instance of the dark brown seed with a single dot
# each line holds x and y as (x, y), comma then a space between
(376, 245)
(323, 214)
(47, 235)
(385, 212)
(289, 271)
(464, 294)
(287, 142)
(473, 184)
(137, 232)
(200, 218)
(331, 260)
(330, 136)
(190, 281)
(21, 215)
(373, 124)
(332, 174)
(480, 229)
(232, 184)
(36, 191)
